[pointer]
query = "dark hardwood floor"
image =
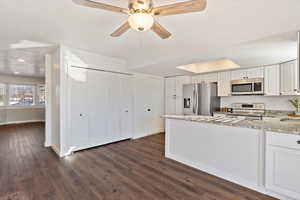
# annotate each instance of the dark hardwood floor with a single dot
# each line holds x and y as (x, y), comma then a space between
(135, 170)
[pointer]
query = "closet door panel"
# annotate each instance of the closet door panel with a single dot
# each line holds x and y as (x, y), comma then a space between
(78, 112)
(98, 107)
(114, 101)
(126, 107)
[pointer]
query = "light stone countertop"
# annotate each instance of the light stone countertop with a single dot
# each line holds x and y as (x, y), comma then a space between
(268, 124)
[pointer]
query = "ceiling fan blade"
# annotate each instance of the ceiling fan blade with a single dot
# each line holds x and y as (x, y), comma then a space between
(161, 31)
(180, 8)
(122, 29)
(93, 4)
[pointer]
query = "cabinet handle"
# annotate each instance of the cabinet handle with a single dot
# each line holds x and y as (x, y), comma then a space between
(298, 142)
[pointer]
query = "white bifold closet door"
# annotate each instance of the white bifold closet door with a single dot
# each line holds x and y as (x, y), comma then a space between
(108, 108)
(77, 98)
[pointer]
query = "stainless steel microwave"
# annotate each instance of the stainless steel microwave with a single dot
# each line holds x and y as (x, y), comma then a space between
(254, 86)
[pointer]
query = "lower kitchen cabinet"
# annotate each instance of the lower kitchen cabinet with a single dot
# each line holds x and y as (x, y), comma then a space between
(283, 164)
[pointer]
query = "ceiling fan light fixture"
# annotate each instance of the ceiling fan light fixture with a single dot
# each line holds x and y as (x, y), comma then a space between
(140, 21)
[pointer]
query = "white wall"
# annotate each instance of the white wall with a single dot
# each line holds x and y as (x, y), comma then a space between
(148, 94)
(21, 115)
(9, 115)
(272, 103)
(21, 79)
(53, 100)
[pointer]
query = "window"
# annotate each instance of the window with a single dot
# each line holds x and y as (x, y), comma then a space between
(41, 94)
(2, 94)
(21, 95)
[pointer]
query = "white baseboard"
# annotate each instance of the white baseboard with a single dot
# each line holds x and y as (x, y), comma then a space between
(20, 122)
(225, 176)
(55, 149)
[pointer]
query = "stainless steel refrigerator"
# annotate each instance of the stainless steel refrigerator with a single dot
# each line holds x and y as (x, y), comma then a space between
(200, 99)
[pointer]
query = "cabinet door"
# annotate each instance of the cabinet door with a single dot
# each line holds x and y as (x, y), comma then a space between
(180, 81)
(255, 72)
(197, 79)
(170, 86)
(78, 108)
(114, 101)
(170, 105)
(98, 104)
(126, 108)
(238, 74)
(289, 77)
(272, 80)
(282, 171)
(211, 77)
(224, 84)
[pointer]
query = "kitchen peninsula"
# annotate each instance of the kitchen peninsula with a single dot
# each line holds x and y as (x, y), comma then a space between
(263, 155)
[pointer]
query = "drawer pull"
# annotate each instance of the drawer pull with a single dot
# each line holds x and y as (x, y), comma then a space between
(298, 142)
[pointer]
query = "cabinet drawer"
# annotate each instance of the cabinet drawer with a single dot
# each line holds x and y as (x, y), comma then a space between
(284, 140)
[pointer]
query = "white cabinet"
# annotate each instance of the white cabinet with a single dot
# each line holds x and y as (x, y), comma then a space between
(211, 77)
(197, 79)
(255, 72)
(170, 87)
(173, 94)
(272, 80)
(224, 84)
(289, 78)
(238, 74)
(283, 164)
(100, 109)
(247, 73)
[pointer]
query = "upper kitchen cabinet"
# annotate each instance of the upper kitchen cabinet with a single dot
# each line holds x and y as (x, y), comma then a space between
(289, 78)
(211, 77)
(180, 81)
(247, 73)
(197, 79)
(224, 85)
(170, 87)
(173, 94)
(272, 80)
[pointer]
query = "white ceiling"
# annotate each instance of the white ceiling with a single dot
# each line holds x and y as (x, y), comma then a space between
(23, 62)
(231, 28)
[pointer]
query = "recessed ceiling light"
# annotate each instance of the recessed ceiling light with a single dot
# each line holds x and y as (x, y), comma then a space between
(16, 72)
(210, 66)
(21, 60)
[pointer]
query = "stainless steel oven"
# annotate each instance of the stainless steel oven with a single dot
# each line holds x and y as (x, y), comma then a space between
(253, 86)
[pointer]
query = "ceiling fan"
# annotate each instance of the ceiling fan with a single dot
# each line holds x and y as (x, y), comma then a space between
(141, 14)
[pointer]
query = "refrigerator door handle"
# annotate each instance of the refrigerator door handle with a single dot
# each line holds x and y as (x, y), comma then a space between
(194, 100)
(197, 100)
